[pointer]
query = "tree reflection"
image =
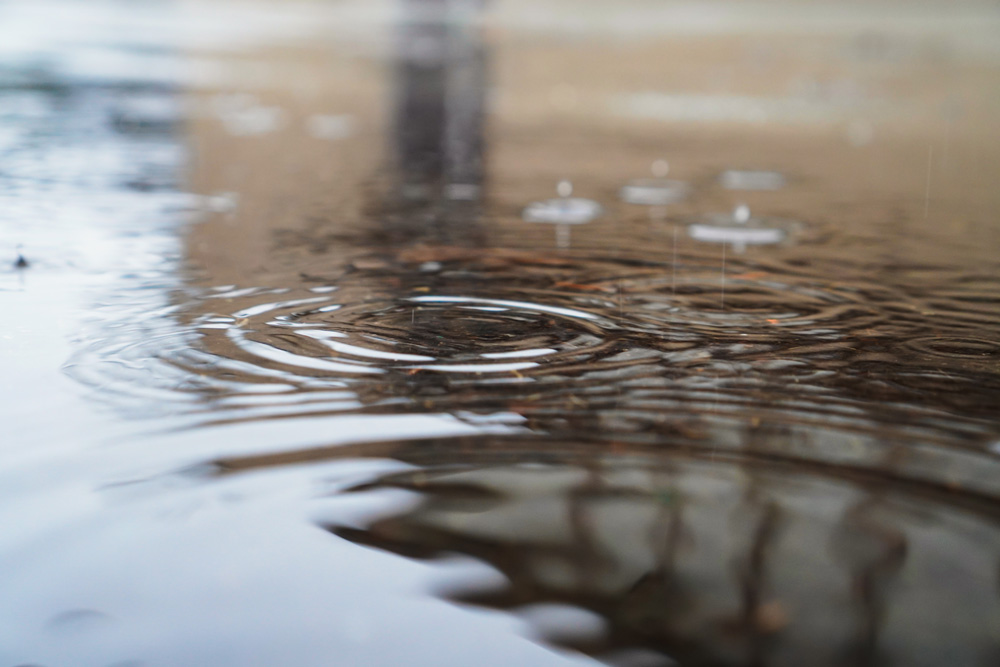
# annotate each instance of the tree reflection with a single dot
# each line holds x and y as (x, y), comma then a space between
(707, 562)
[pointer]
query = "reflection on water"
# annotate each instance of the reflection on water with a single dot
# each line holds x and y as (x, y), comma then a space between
(706, 559)
(677, 437)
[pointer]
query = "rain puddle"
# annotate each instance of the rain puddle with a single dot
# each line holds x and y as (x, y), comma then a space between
(452, 333)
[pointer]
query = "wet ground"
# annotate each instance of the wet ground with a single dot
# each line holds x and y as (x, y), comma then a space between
(364, 333)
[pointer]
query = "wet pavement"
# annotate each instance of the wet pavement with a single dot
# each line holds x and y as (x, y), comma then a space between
(499, 333)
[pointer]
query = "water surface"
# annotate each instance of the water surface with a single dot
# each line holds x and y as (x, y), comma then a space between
(295, 376)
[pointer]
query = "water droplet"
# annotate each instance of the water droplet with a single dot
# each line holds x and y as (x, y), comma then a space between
(657, 191)
(563, 211)
(740, 229)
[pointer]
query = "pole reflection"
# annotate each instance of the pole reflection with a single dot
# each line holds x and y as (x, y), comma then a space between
(436, 175)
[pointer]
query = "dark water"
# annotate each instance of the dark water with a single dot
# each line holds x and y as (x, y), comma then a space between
(359, 335)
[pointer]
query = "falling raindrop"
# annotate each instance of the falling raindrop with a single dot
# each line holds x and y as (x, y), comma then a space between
(656, 191)
(562, 212)
(740, 229)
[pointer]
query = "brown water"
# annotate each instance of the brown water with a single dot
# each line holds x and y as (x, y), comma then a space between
(537, 333)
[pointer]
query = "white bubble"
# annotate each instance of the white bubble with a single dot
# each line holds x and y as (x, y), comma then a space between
(736, 235)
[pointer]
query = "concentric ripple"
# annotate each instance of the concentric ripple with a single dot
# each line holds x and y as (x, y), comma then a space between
(954, 347)
(588, 347)
(424, 332)
(758, 305)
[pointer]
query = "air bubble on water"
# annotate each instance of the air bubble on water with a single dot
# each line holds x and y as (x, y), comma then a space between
(739, 229)
(563, 211)
(657, 191)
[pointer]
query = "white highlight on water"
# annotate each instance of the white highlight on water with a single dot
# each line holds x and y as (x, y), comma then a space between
(522, 305)
(739, 232)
